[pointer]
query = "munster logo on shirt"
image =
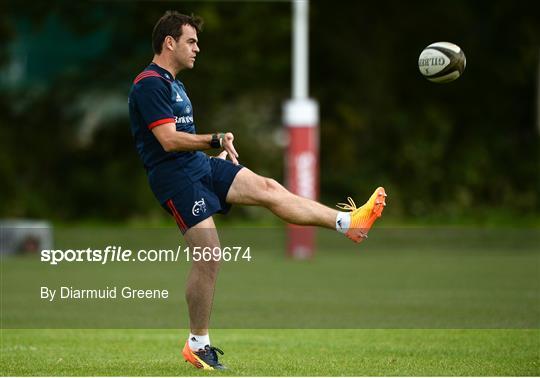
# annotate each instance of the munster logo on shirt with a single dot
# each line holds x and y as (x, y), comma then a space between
(199, 207)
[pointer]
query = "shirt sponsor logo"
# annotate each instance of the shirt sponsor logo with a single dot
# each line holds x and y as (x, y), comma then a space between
(199, 207)
(184, 119)
(178, 98)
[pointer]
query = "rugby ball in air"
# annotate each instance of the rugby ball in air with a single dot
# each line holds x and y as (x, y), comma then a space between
(442, 62)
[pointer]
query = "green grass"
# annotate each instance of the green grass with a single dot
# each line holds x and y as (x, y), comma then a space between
(409, 278)
(413, 301)
(275, 352)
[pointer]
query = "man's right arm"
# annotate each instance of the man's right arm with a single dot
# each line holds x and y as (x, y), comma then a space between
(175, 141)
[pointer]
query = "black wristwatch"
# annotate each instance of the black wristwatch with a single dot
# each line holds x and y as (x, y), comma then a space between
(217, 140)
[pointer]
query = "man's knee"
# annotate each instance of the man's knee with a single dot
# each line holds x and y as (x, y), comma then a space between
(271, 190)
(207, 270)
(274, 186)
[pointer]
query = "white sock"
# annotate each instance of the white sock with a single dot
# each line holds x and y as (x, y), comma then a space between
(343, 221)
(197, 342)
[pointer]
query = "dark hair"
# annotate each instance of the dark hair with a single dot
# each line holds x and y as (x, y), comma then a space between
(171, 24)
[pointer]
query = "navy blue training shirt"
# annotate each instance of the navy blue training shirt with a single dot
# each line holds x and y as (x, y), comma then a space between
(157, 98)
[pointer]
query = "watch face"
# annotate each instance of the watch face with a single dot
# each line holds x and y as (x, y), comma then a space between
(215, 142)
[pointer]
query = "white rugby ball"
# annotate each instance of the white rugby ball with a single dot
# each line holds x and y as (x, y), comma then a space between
(442, 62)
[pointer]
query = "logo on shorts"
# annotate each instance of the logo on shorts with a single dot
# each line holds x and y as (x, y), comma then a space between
(199, 207)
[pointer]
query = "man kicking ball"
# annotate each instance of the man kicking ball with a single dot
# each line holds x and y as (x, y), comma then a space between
(192, 186)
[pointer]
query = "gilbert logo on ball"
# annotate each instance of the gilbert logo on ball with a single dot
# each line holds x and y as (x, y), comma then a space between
(442, 62)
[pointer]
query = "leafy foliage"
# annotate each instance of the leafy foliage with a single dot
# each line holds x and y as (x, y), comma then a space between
(439, 149)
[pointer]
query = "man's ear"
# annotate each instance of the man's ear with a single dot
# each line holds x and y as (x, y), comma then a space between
(169, 43)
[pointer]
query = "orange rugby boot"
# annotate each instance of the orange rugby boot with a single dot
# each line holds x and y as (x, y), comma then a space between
(362, 218)
(206, 359)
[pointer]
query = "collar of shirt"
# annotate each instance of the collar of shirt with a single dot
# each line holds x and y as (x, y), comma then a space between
(162, 71)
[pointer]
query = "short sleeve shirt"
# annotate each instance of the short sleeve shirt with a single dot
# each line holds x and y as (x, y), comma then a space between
(156, 98)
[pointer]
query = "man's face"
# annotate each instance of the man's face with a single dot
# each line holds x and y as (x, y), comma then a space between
(186, 48)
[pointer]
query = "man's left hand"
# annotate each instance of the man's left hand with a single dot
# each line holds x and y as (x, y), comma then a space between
(228, 147)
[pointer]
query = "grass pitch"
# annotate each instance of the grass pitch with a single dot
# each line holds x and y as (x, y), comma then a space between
(407, 303)
(275, 352)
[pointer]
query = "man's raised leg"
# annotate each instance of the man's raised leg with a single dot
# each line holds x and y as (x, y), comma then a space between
(249, 188)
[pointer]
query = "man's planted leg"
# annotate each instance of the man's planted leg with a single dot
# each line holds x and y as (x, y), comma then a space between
(200, 289)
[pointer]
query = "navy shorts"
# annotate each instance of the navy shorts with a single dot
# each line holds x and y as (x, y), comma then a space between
(203, 197)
